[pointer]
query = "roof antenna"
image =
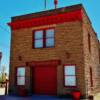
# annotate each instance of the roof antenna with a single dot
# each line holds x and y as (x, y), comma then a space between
(55, 3)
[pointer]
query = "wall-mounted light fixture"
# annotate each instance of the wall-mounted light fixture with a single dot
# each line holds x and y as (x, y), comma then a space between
(68, 55)
(20, 58)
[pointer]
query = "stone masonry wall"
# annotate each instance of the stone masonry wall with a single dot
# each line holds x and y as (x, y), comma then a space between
(68, 48)
(91, 58)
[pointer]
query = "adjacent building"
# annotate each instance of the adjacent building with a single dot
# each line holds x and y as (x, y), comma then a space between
(54, 52)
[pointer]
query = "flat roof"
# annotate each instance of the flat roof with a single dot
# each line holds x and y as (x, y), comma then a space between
(48, 12)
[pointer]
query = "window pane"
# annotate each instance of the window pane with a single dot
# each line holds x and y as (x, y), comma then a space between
(49, 33)
(70, 81)
(21, 72)
(38, 43)
(69, 70)
(49, 42)
(20, 80)
(38, 34)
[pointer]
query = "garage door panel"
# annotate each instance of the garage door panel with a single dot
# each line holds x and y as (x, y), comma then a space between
(45, 80)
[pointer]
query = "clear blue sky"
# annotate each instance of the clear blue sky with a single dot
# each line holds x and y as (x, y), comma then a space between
(9, 8)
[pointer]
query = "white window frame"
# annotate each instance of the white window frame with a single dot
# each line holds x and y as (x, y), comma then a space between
(19, 76)
(69, 75)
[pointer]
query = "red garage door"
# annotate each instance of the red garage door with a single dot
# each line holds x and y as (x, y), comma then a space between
(45, 80)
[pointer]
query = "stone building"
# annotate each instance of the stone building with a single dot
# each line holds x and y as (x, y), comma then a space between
(54, 52)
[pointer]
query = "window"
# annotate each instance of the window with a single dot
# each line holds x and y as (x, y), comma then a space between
(91, 77)
(38, 39)
(21, 76)
(43, 38)
(69, 75)
(89, 42)
(50, 38)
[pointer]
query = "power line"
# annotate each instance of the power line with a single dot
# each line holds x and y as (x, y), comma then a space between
(4, 29)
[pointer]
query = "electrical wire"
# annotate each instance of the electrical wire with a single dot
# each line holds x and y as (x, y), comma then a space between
(4, 29)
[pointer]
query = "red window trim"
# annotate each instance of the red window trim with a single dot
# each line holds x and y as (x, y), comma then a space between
(44, 38)
(46, 62)
(91, 76)
(69, 75)
(19, 76)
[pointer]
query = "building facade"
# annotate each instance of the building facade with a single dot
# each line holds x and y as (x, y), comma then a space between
(54, 52)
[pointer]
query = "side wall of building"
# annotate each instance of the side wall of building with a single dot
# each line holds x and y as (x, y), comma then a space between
(91, 57)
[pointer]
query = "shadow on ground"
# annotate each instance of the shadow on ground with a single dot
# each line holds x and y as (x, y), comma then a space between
(35, 97)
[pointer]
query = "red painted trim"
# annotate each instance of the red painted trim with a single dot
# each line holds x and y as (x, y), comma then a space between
(33, 39)
(44, 38)
(49, 62)
(44, 28)
(91, 77)
(47, 20)
(64, 76)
